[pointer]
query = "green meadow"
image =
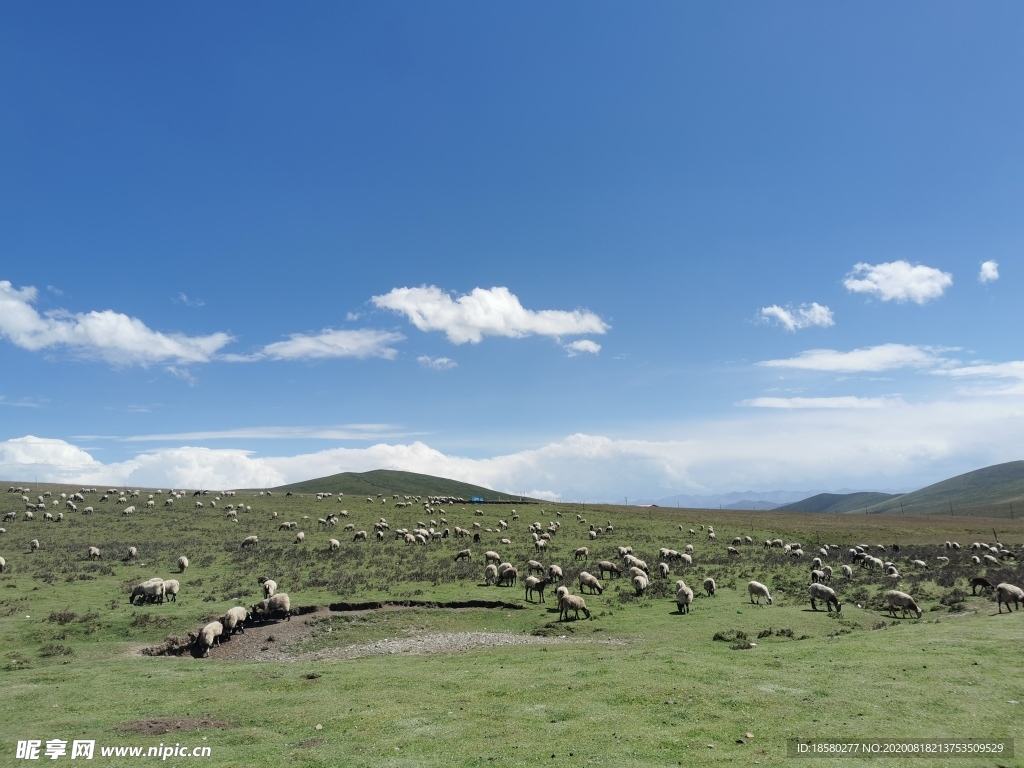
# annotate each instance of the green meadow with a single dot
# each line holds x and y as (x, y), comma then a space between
(636, 683)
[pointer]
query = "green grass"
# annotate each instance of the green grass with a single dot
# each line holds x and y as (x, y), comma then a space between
(643, 684)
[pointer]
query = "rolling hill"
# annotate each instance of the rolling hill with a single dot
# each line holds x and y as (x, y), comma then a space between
(838, 502)
(991, 489)
(389, 481)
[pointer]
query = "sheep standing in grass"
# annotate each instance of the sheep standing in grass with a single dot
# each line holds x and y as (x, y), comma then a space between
(902, 600)
(684, 596)
(33, 545)
(208, 637)
(758, 590)
(132, 553)
(821, 592)
(171, 588)
(554, 573)
(533, 584)
(590, 582)
(491, 574)
(3, 565)
(709, 586)
(182, 564)
(251, 541)
(1005, 593)
(847, 572)
(234, 620)
(269, 588)
(640, 584)
(149, 591)
(573, 603)
(94, 553)
(978, 581)
(508, 575)
(464, 554)
(609, 567)
(532, 566)
(663, 569)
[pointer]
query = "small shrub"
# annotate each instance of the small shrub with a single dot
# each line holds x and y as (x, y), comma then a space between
(62, 617)
(784, 632)
(53, 649)
(764, 633)
(730, 635)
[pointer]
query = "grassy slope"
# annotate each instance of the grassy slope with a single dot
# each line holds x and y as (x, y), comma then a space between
(838, 502)
(984, 491)
(657, 697)
(388, 481)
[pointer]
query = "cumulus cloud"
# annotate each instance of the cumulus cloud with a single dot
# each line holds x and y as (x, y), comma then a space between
(898, 281)
(190, 302)
(362, 343)
(484, 312)
(804, 316)
(769, 448)
(437, 363)
(819, 402)
(881, 358)
(105, 335)
(989, 272)
(336, 432)
(581, 346)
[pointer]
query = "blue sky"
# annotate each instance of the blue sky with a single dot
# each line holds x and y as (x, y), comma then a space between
(586, 251)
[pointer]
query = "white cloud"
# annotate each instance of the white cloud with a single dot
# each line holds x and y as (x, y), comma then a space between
(770, 448)
(899, 281)
(581, 346)
(1012, 370)
(819, 402)
(804, 316)
(881, 358)
(362, 343)
(352, 316)
(339, 432)
(484, 312)
(104, 335)
(989, 272)
(437, 363)
(190, 302)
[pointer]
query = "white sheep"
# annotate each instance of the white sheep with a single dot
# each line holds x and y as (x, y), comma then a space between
(33, 545)
(1006, 592)
(333, 545)
(821, 592)
(182, 564)
(709, 586)
(269, 588)
(663, 569)
(554, 573)
(640, 584)
(151, 591)
(847, 572)
(491, 574)
(251, 541)
(758, 590)
(234, 620)
(590, 582)
(361, 536)
(817, 576)
(3, 565)
(208, 637)
(897, 599)
(171, 588)
(270, 608)
(581, 554)
(133, 553)
(300, 537)
(684, 596)
(94, 553)
(573, 603)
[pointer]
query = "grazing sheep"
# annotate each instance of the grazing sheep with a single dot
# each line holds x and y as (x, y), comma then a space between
(591, 582)
(507, 575)
(688, 549)
(609, 567)
(732, 550)
(919, 564)
(640, 584)
(897, 599)
(466, 554)
(663, 569)
(709, 586)
(300, 537)
(133, 552)
(251, 541)
(817, 576)
(269, 588)
(1006, 592)
(333, 545)
(490, 556)
(581, 554)
(821, 592)
(533, 584)
(978, 581)
(171, 587)
(270, 608)
(491, 574)
(573, 603)
(208, 637)
(33, 545)
(234, 620)
(182, 564)
(758, 590)
(3, 565)
(684, 596)
(554, 573)
(361, 536)
(534, 566)
(989, 559)
(150, 591)
(94, 553)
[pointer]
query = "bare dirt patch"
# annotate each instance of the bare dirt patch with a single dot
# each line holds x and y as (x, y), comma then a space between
(158, 726)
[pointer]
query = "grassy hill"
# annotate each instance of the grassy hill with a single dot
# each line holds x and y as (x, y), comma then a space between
(389, 481)
(990, 489)
(838, 502)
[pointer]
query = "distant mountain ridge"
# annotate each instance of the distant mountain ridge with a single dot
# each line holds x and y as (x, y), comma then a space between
(839, 503)
(389, 481)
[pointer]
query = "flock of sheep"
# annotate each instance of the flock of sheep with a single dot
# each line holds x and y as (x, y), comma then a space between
(501, 572)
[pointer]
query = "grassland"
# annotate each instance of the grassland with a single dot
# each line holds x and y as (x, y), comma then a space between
(638, 683)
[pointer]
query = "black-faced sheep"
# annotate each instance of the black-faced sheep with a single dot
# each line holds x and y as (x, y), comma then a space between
(491, 574)
(709, 586)
(182, 564)
(640, 584)
(821, 592)
(606, 566)
(533, 584)
(171, 588)
(150, 591)
(33, 545)
(758, 590)
(464, 554)
(207, 637)
(251, 541)
(684, 597)
(1005, 593)
(272, 608)
(235, 619)
(269, 588)
(978, 581)
(581, 554)
(902, 600)
(532, 566)
(590, 582)
(554, 573)
(94, 553)
(573, 603)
